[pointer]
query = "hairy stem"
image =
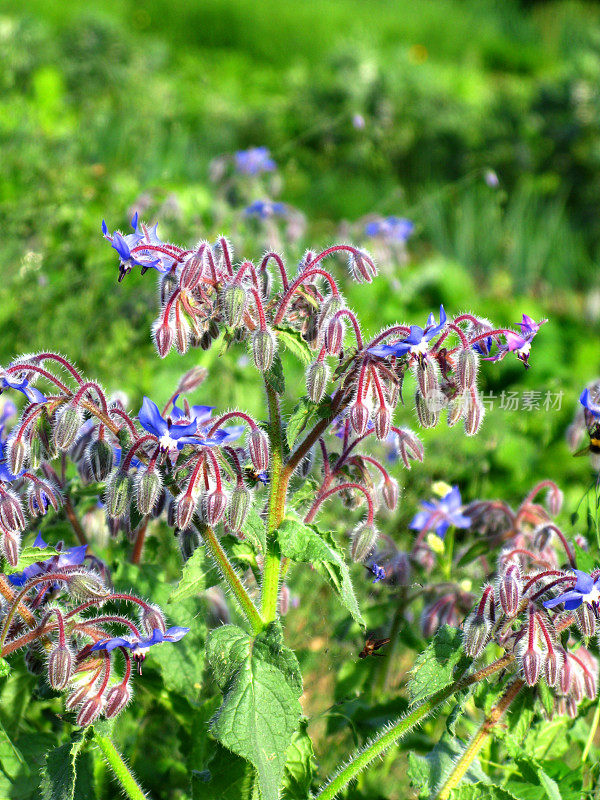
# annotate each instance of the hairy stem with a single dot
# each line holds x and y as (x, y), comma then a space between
(121, 771)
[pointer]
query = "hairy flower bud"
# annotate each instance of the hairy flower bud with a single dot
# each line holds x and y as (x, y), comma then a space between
(42, 444)
(330, 307)
(585, 619)
(148, 486)
(68, 421)
(233, 304)
(18, 452)
(531, 662)
(427, 377)
(364, 539)
(317, 377)
(427, 414)
(474, 413)
(359, 417)
(186, 507)
(390, 492)
(183, 333)
(164, 334)
(100, 458)
(191, 272)
(87, 586)
(476, 632)
(118, 489)
(152, 618)
(12, 518)
(409, 447)
(10, 544)
(509, 590)
(383, 422)
(361, 267)
(78, 696)
(263, 348)
(116, 700)
(552, 668)
(60, 667)
(334, 336)
(554, 500)
(192, 379)
(284, 599)
(89, 711)
(215, 504)
(466, 368)
(456, 410)
(189, 541)
(258, 449)
(239, 504)
(565, 675)
(40, 495)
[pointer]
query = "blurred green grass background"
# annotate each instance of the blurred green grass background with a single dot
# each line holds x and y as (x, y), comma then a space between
(104, 104)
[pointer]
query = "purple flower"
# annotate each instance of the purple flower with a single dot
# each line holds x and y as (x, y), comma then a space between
(31, 393)
(169, 435)
(588, 404)
(202, 416)
(416, 343)
(586, 590)
(392, 229)
(519, 344)
(254, 161)
(5, 474)
(139, 646)
(438, 515)
(74, 556)
(378, 572)
(145, 258)
(265, 209)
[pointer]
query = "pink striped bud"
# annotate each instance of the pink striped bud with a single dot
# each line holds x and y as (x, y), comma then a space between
(116, 700)
(151, 619)
(233, 303)
(361, 267)
(456, 410)
(164, 335)
(572, 707)
(466, 368)
(239, 504)
(79, 696)
(258, 449)
(183, 332)
(531, 662)
(215, 504)
(364, 539)
(390, 492)
(554, 500)
(89, 711)
(263, 348)
(409, 447)
(586, 620)
(427, 413)
(18, 452)
(192, 379)
(509, 590)
(476, 633)
(40, 496)
(330, 307)
(334, 336)
(317, 376)
(383, 423)
(67, 423)
(186, 508)
(12, 519)
(359, 418)
(60, 667)
(474, 413)
(565, 677)
(191, 272)
(427, 377)
(10, 544)
(552, 668)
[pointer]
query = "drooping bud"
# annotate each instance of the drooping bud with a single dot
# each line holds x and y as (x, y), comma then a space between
(116, 700)
(239, 504)
(10, 544)
(554, 500)
(585, 619)
(168, 283)
(466, 368)
(409, 447)
(552, 668)
(192, 379)
(89, 711)
(118, 489)
(263, 348)
(476, 632)
(79, 696)
(509, 590)
(565, 676)
(427, 377)
(571, 707)
(60, 667)
(189, 541)
(183, 332)
(361, 267)
(474, 413)
(42, 444)
(186, 507)
(531, 662)
(359, 417)
(151, 619)
(426, 412)
(590, 685)
(41, 495)
(100, 458)
(233, 304)
(334, 336)
(437, 614)
(383, 422)
(284, 599)
(148, 486)
(215, 504)
(164, 334)
(330, 307)
(364, 539)
(390, 492)
(68, 421)
(191, 273)
(87, 586)
(12, 518)
(317, 377)
(456, 410)
(17, 455)
(258, 449)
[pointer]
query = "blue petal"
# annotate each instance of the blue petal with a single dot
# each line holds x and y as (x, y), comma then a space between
(179, 431)
(568, 597)
(175, 633)
(584, 583)
(419, 521)
(104, 228)
(587, 403)
(121, 246)
(440, 530)
(134, 221)
(39, 542)
(150, 418)
(202, 413)
(110, 644)
(73, 556)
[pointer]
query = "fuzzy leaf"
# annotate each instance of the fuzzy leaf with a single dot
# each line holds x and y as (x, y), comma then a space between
(29, 556)
(260, 710)
(193, 577)
(584, 559)
(300, 766)
(11, 760)
(301, 542)
(306, 414)
(294, 342)
(434, 668)
(481, 791)
(274, 375)
(428, 772)
(59, 774)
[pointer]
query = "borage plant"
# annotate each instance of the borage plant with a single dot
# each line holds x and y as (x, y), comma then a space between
(235, 492)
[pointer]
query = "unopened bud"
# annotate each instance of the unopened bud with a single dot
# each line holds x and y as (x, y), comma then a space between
(164, 335)
(361, 267)
(554, 500)
(456, 410)
(426, 412)
(409, 447)
(192, 379)
(552, 668)
(474, 414)
(12, 518)
(364, 539)
(168, 283)
(42, 444)
(116, 700)
(531, 662)
(590, 685)
(41, 495)
(10, 543)
(87, 586)
(330, 307)
(60, 667)
(148, 486)
(284, 599)
(317, 377)
(585, 619)
(17, 455)
(383, 423)
(390, 492)
(258, 449)
(189, 541)
(427, 377)
(476, 632)
(571, 707)
(334, 336)
(466, 368)
(565, 677)
(509, 590)
(100, 458)
(118, 488)
(89, 711)
(215, 504)
(191, 273)
(239, 504)
(183, 333)
(263, 348)
(186, 508)
(359, 417)
(78, 696)
(66, 426)
(151, 619)
(233, 304)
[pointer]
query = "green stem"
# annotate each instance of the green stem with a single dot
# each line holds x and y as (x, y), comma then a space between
(477, 742)
(120, 769)
(391, 735)
(230, 575)
(592, 733)
(276, 512)
(448, 552)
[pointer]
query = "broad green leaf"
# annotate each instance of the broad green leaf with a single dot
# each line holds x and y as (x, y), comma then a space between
(294, 342)
(254, 529)
(4, 668)
(306, 414)
(29, 556)
(261, 684)
(193, 577)
(584, 559)
(300, 767)
(301, 542)
(481, 791)
(59, 774)
(434, 668)
(458, 710)
(225, 777)
(428, 772)
(274, 376)
(11, 760)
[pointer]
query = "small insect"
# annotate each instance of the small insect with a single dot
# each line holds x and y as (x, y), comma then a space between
(371, 645)
(254, 477)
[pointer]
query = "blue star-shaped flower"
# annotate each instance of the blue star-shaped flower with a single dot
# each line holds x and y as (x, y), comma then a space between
(31, 393)
(586, 590)
(588, 404)
(74, 556)
(170, 436)
(416, 343)
(265, 209)
(124, 244)
(139, 646)
(438, 515)
(254, 161)
(202, 415)
(392, 229)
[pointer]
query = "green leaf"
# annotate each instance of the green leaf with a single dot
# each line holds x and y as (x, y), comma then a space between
(434, 668)
(300, 767)
(481, 791)
(255, 530)
(428, 772)
(224, 778)
(294, 342)
(301, 542)
(59, 774)
(274, 376)
(584, 560)
(29, 556)
(260, 680)
(306, 414)
(11, 760)
(193, 578)
(4, 668)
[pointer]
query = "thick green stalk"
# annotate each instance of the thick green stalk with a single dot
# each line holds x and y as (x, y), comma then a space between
(230, 575)
(120, 769)
(396, 731)
(276, 511)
